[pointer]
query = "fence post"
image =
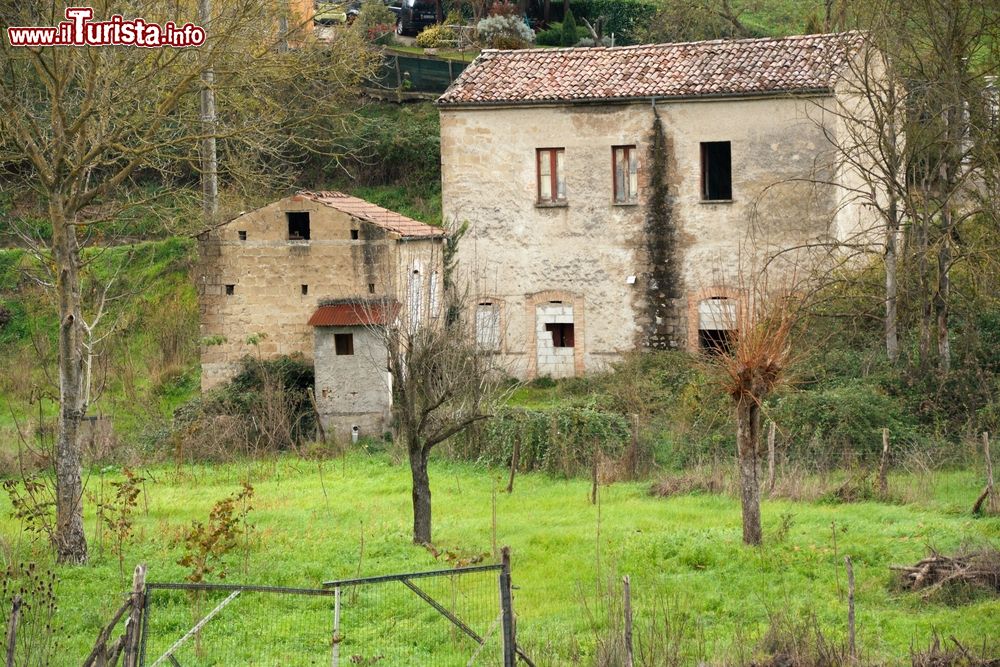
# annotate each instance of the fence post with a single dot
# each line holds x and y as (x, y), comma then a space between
(335, 659)
(883, 468)
(770, 458)
(15, 613)
(133, 626)
(851, 637)
(627, 591)
(507, 609)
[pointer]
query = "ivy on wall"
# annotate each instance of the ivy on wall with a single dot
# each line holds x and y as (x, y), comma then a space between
(663, 286)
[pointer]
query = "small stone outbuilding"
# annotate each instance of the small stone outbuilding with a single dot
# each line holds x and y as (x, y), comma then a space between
(353, 383)
(267, 278)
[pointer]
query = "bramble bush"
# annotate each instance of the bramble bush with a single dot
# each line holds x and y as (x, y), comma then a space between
(561, 441)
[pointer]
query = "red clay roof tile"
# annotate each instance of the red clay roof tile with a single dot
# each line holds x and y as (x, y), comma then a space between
(718, 67)
(354, 313)
(376, 215)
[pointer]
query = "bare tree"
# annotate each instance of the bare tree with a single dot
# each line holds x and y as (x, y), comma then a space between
(445, 376)
(912, 116)
(82, 129)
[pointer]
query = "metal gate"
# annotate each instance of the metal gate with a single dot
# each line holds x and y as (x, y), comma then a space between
(459, 616)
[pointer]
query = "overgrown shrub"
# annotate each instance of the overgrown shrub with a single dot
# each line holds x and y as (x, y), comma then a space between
(504, 32)
(561, 441)
(265, 408)
(552, 36)
(827, 422)
(436, 36)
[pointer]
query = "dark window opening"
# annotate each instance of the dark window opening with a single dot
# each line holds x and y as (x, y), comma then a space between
(298, 225)
(555, 301)
(562, 334)
(343, 344)
(371, 288)
(305, 290)
(243, 235)
(715, 341)
(230, 290)
(354, 235)
(716, 170)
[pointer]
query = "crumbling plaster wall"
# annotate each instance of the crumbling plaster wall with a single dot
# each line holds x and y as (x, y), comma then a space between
(515, 248)
(353, 390)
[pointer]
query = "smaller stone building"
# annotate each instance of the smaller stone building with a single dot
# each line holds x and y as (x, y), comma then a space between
(353, 383)
(299, 275)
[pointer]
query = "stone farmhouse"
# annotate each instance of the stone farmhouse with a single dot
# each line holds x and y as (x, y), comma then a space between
(615, 196)
(311, 274)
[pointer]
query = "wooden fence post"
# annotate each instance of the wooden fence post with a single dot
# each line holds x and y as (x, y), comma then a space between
(989, 493)
(770, 458)
(133, 626)
(883, 468)
(633, 450)
(507, 610)
(515, 455)
(851, 637)
(627, 592)
(15, 615)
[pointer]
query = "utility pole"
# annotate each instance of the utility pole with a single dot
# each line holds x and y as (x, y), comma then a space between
(209, 158)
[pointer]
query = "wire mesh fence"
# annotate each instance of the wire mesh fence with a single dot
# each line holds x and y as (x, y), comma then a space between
(449, 617)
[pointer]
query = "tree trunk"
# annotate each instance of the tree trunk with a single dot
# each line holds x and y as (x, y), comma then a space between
(942, 295)
(421, 495)
(891, 285)
(70, 540)
(747, 434)
(924, 286)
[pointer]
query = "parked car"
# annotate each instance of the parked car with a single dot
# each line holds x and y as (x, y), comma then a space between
(414, 16)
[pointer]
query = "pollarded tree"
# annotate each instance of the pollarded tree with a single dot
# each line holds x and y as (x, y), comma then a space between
(751, 364)
(83, 129)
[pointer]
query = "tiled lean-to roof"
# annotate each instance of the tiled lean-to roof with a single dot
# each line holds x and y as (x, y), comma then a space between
(376, 215)
(353, 312)
(808, 63)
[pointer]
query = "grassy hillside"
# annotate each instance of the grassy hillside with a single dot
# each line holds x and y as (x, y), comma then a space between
(146, 367)
(683, 554)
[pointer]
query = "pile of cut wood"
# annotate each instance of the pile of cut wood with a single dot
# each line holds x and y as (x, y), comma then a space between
(979, 568)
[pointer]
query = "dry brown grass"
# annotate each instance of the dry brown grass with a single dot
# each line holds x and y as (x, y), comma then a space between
(699, 479)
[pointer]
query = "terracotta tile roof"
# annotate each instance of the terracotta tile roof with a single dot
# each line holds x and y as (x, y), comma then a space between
(718, 67)
(353, 313)
(376, 215)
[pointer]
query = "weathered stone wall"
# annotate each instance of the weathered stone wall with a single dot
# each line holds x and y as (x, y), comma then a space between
(267, 272)
(591, 247)
(352, 390)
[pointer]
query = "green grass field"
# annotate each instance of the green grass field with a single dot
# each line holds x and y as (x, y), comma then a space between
(682, 552)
